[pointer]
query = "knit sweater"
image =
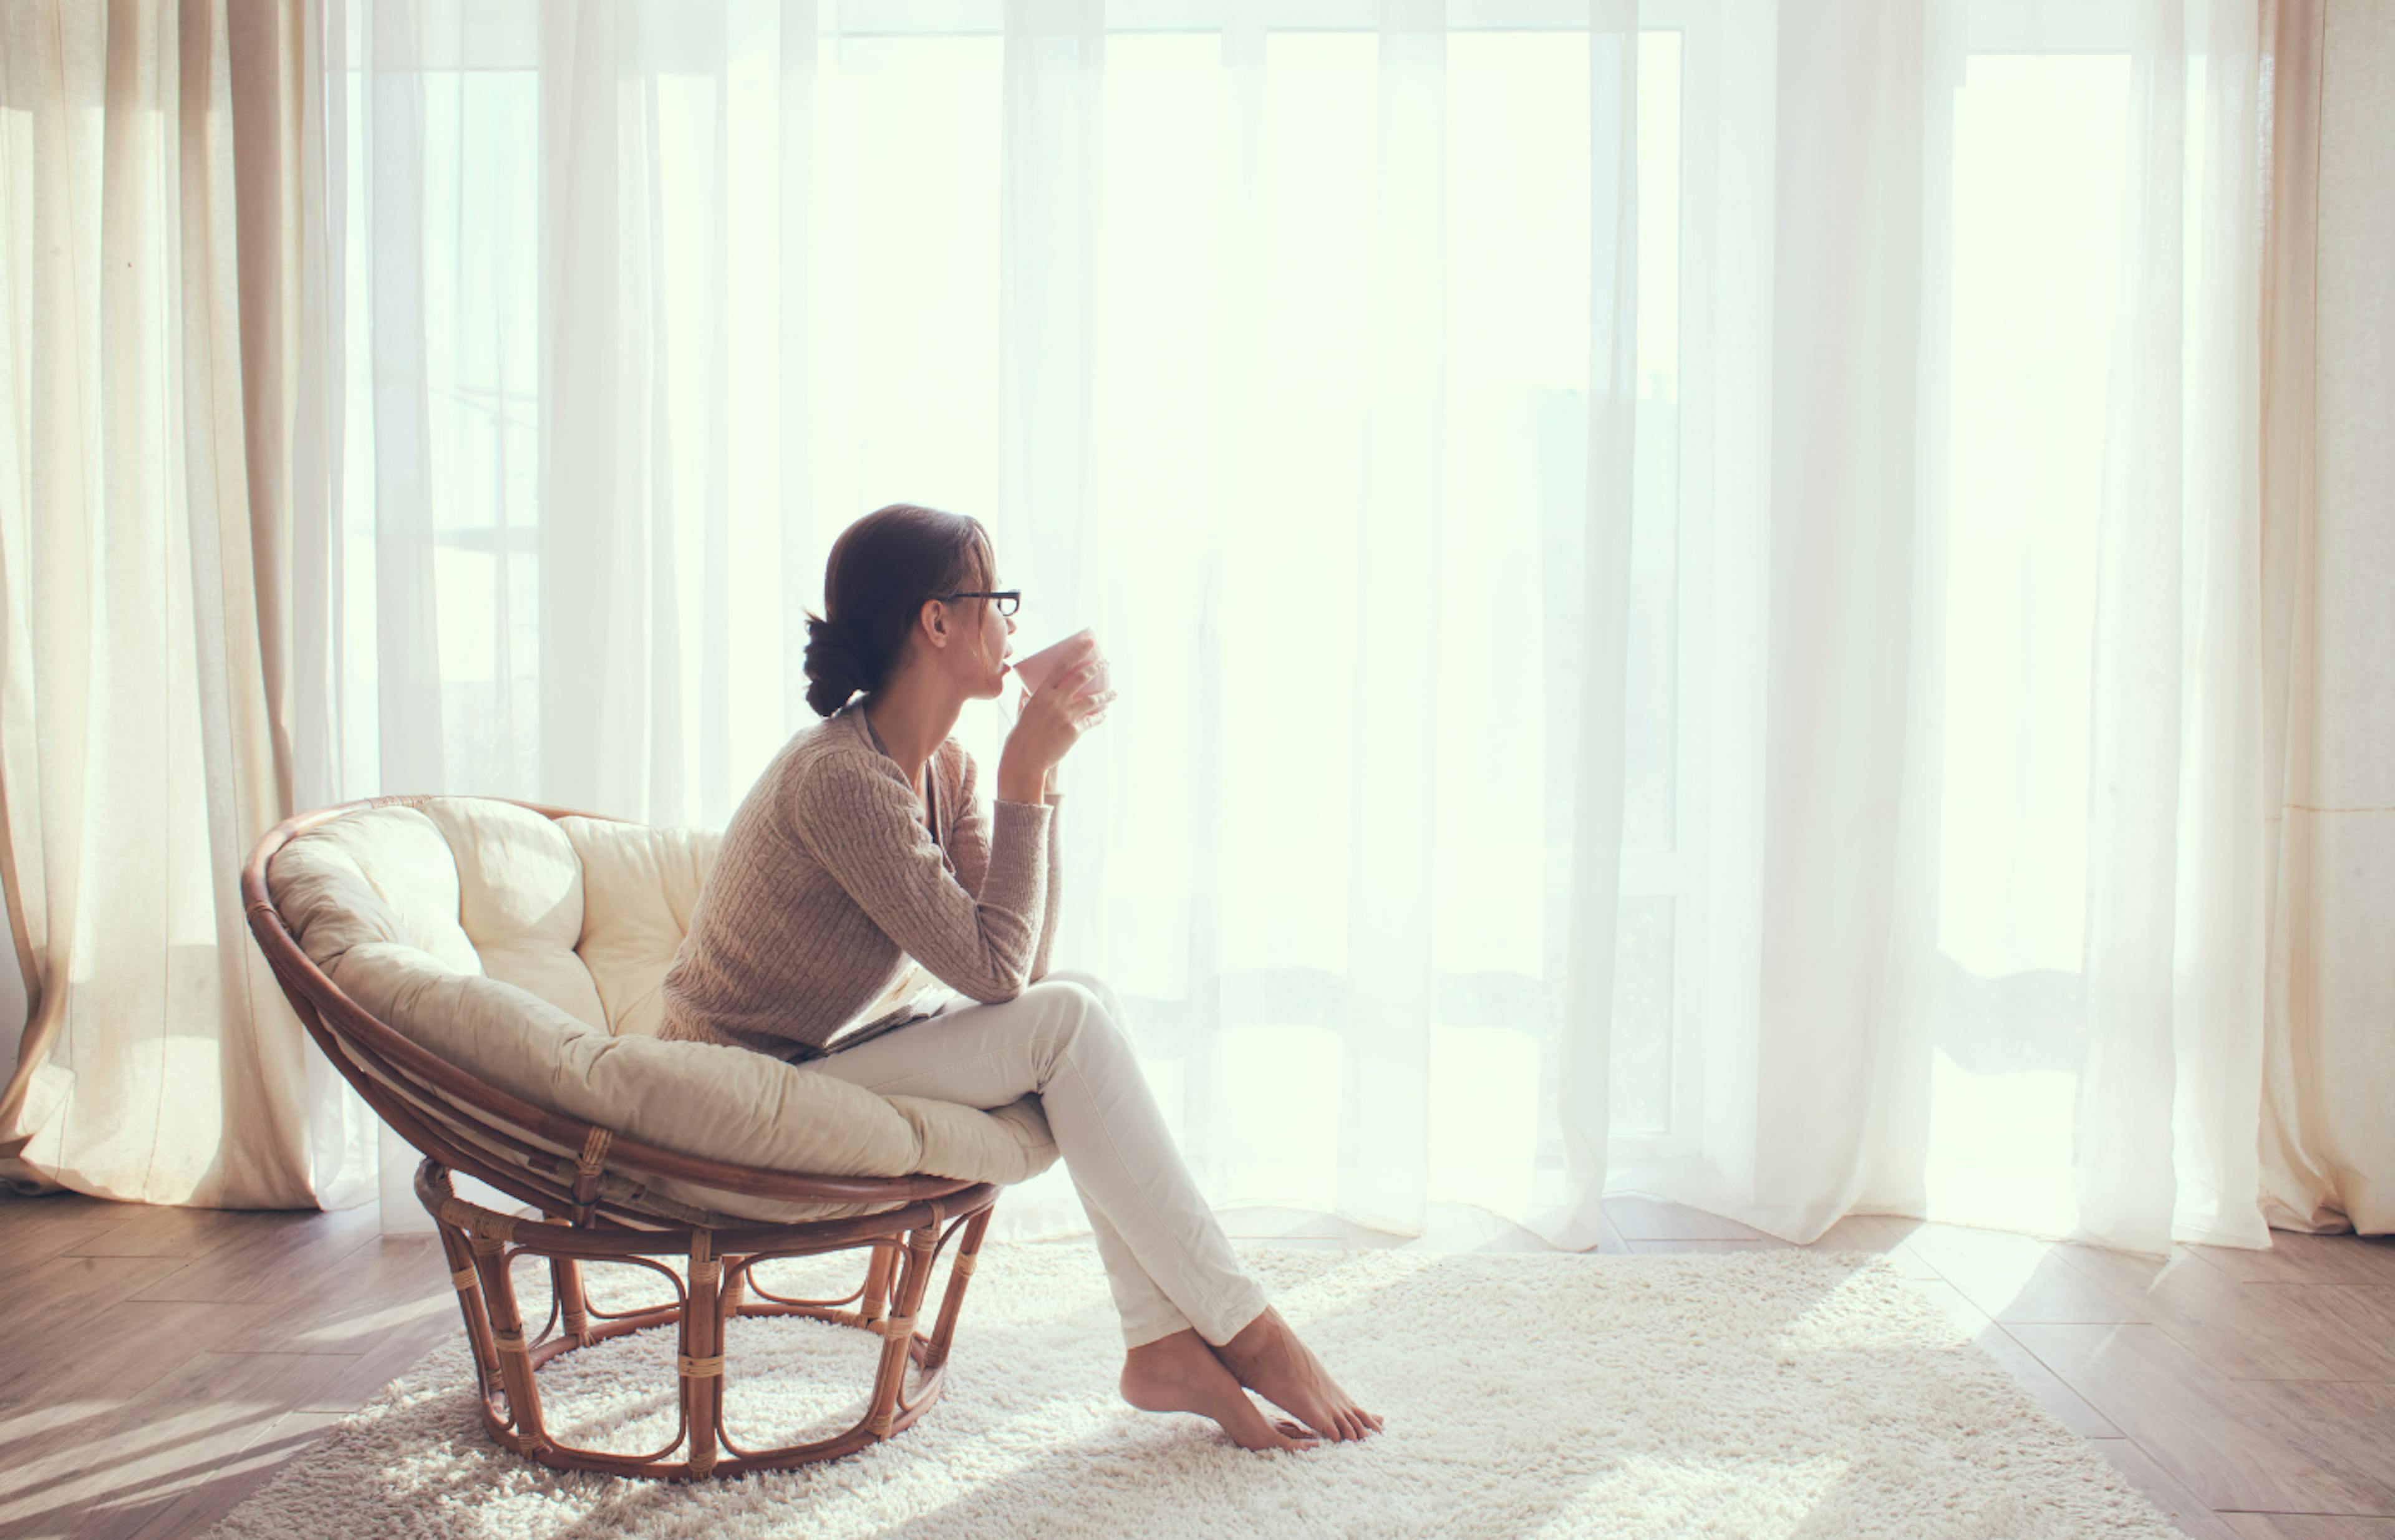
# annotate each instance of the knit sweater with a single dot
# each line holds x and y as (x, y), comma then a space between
(833, 904)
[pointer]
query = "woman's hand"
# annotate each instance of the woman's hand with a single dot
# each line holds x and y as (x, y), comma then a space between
(1051, 721)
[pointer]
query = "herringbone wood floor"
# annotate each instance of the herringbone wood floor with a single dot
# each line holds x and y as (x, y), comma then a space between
(159, 1363)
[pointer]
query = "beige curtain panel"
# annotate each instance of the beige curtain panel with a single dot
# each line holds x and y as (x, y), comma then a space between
(2328, 544)
(149, 157)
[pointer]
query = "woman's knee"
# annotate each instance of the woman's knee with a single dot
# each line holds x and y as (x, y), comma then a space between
(1104, 992)
(1082, 1015)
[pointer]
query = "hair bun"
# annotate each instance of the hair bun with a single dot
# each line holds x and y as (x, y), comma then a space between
(835, 662)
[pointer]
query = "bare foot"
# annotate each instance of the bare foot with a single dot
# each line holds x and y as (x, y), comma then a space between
(1181, 1373)
(1269, 1359)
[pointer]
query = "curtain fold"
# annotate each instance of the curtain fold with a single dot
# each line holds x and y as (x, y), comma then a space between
(1051, 159)
(1383, 1021)
(146, 713)
(1863, 97)
(1590, 962)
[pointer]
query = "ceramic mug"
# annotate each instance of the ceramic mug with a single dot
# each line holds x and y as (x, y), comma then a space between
(1036, 670)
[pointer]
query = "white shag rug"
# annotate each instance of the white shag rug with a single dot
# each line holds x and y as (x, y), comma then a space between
(1779, 1393)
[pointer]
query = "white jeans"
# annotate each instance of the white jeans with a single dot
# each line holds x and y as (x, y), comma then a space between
(1166, 1256)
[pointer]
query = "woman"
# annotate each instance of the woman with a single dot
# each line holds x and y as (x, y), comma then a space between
(858, 875)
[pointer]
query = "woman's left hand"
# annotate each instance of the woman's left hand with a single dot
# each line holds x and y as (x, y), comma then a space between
(1047, 783)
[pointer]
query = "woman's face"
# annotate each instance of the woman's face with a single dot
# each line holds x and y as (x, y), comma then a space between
(980, 666)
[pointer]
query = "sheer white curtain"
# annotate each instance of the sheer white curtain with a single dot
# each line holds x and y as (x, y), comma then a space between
(1986, 866)
(1682, 574)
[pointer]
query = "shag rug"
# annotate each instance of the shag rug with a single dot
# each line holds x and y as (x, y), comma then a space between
(1781, 1393)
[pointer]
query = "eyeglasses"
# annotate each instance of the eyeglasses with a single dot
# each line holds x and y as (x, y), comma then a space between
(1008, 600)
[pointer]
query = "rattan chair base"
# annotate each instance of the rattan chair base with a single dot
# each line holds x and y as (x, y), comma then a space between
(481, 1245)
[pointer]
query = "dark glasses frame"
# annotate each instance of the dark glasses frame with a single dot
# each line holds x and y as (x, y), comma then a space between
(1009, 599)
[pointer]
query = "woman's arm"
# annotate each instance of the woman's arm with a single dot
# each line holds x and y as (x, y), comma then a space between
(861, 822)
(969, 848)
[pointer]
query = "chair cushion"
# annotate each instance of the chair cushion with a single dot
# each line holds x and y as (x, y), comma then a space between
(697, 1098)
(529, 953)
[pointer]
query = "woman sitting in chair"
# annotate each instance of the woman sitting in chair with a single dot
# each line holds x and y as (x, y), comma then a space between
(858, 875)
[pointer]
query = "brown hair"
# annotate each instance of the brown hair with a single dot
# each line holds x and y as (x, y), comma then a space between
(881, 570)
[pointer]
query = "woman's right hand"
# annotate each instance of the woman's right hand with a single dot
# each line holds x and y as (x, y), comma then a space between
(1051, 721)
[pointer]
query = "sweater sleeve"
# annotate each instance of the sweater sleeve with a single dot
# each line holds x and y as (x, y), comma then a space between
(1055, 887)
(861, 823)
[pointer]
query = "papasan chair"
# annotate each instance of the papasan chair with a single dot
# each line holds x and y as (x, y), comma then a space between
(487, 973)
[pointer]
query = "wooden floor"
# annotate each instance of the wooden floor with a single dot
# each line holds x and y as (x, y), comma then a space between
(159, 1363)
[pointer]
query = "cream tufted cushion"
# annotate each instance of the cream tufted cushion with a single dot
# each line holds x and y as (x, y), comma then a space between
(641, 885)
(519, 898)
(529, 952)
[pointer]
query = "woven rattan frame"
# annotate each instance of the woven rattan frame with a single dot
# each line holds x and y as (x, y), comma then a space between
(461, 1124)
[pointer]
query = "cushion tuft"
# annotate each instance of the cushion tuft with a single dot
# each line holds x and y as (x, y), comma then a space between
(380, 874)
(640, 885)
(519, 898)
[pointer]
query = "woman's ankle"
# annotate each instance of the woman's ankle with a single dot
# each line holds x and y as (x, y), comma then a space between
(1260, 1310)
(1160, 1341)
(1264, 1328)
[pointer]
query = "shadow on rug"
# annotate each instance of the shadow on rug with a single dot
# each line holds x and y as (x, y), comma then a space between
(1779, 1393)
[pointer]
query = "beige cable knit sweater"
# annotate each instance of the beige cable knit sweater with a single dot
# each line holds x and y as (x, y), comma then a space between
(831, 888)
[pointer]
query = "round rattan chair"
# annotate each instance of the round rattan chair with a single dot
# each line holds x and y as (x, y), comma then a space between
(598, 1194)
